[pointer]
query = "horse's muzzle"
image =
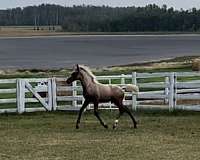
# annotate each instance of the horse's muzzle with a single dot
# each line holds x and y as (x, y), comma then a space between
(69, 80)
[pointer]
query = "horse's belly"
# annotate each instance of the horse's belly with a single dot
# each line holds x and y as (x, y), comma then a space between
(104, 100)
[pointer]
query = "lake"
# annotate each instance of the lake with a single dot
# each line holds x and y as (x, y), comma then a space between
(95, 51)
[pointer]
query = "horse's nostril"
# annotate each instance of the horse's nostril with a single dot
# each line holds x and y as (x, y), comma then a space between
(68, 81)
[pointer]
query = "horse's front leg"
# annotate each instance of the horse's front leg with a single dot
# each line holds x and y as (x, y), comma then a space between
(85, 104)
(96, 113)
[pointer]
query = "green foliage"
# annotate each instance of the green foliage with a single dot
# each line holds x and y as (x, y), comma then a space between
(105, 19)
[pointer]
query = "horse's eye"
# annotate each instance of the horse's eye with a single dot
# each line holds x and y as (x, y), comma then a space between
(74, 74)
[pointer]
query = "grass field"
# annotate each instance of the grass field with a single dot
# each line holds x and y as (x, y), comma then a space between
(23, 31)
(52, 136)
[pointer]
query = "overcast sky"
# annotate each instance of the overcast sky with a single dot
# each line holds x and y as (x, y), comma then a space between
(186, 4)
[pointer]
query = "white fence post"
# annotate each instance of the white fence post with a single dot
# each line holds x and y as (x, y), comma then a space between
(110, 82)
(134, 98)
(175, 90)
(74, 85)
(171, 92)
(20, 96)
(122, 79)
(54, 94)
(50, 97)
(166, 101)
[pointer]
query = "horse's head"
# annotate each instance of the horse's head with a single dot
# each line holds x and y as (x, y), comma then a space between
(76, 75)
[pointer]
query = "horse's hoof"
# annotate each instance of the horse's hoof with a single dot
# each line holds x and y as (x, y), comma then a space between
(114, 127)
(77, 127)
(135, 126)
(106, 126)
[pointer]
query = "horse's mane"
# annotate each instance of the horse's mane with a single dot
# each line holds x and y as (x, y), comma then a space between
(89, 72)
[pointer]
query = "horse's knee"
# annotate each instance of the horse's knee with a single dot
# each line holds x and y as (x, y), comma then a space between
(95, 112)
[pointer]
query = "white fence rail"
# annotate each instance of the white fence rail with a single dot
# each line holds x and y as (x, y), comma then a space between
(166, 90)
(187, 91)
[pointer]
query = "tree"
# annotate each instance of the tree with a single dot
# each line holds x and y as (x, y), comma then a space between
(104, 18)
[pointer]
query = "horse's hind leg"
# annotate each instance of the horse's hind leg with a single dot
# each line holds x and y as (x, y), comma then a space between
(117, 119)
(118, 103)
(122, 109)
(127, 110)
(97, 115)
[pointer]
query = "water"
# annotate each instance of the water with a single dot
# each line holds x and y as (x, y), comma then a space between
(98, 51)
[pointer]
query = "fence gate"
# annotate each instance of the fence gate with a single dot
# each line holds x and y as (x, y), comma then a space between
(27, 86)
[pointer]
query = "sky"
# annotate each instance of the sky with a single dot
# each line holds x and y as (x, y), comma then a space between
(185, 4)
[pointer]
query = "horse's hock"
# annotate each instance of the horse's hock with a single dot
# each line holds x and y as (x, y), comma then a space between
(196, 64)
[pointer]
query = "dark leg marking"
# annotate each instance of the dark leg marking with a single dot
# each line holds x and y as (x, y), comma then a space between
(80, 113)
(97, 115)
(123, 109)
(127, 110)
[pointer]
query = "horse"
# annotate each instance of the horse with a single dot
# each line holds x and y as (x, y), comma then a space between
(95, 93)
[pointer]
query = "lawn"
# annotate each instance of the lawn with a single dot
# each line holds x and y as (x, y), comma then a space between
(52, 136)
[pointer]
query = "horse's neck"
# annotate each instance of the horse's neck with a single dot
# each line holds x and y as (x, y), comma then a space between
(86, 83)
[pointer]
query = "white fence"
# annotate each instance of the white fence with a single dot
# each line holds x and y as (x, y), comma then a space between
(172, 91)
(16, 95)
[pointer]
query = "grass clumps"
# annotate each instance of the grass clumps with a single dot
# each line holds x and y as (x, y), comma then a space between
(196, 64)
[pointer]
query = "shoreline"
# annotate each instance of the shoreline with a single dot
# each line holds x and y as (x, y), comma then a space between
(35, 34)
(184, 62)
(106, 35)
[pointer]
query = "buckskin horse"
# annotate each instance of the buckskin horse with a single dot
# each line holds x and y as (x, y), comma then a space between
(95, 92)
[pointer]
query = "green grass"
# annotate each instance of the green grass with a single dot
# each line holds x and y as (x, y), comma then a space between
(44, 136)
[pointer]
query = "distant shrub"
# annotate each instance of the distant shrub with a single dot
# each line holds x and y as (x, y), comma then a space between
(196, 64)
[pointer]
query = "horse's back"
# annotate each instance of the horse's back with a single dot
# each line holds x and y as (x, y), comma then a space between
(117, 91)
(109, 92)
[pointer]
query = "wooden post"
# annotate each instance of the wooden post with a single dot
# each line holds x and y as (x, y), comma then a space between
(134, 98)
(175, 90)
(20, 96)
(110, 82)
(50, 97)
(166, 90)
(171, 92)
(74, 85)
(122, 79)
(54, 94)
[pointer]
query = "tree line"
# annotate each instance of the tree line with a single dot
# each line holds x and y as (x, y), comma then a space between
(104, 18)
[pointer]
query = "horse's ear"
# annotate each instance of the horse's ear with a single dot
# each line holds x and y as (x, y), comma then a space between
(78, 69)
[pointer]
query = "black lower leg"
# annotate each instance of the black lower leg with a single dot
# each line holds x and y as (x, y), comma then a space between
(97, 114)
(127, 110)
(99, 118)
(80, 113)
(79, 118)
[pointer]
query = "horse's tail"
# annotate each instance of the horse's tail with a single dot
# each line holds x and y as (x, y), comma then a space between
(130, 88)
